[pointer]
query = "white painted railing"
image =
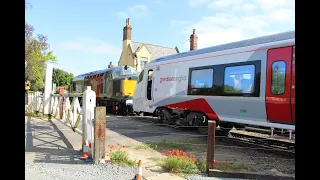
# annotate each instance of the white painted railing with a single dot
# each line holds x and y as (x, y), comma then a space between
(66, 110)
(35, 102)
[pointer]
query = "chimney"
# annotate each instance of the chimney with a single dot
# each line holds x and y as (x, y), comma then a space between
(193, 41)
(110, 65)
(127, 30)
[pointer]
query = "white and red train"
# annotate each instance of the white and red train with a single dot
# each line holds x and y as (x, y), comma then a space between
(249, 82)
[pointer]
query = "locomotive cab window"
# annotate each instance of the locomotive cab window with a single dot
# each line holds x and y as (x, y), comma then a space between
(239, 79)
(202, 78)
(278, 77)
(141, 76)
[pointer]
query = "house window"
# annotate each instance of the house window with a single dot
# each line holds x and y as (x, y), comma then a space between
(143, 62)
(278, 77)
(239, 79)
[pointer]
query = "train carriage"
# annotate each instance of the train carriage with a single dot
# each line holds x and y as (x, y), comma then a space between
(249, 82)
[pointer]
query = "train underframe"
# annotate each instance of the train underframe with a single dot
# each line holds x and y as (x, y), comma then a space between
(199, 120)
(121, 107)
(190, 118)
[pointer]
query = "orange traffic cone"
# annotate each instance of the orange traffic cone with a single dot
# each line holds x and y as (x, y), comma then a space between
(84, 151)
(139, 171)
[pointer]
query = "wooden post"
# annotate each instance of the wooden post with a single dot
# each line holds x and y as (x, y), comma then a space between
(211, 144)
(99, 134)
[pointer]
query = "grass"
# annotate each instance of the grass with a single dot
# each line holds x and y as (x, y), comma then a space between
(38, 115)
(161, 145)
(143, 146)
(156, 159)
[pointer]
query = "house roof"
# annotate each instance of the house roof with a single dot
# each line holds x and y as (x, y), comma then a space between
(156, 50)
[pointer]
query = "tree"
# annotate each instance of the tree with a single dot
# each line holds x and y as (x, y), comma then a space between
(61, 78)
(37, 54)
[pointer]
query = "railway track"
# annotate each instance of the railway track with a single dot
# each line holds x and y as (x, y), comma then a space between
(268, 145)
(240, 138)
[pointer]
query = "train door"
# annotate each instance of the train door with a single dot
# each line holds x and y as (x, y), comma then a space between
(293, 85)
(149, 88)
(280, 85)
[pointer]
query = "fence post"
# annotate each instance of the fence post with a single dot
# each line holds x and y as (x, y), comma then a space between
(211, 144)
(89, 102)
(47, 90)
(99, 134)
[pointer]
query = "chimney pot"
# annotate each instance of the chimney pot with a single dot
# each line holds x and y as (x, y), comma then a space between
(127, 30)
(193, 40)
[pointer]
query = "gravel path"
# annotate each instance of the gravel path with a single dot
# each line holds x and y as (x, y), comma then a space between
(48, 171)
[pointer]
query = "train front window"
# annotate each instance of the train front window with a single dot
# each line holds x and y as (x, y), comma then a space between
(128, 71)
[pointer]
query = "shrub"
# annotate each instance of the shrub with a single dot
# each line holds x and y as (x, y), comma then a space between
(179, 162)
(120, 156)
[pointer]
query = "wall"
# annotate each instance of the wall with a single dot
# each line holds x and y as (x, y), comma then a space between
(142, 52)
(126, 57)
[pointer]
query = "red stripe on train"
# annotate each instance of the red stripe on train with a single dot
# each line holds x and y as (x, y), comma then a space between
(200, 105)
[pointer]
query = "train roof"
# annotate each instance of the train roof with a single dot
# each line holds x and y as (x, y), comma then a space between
(237, 44)
(93, 73)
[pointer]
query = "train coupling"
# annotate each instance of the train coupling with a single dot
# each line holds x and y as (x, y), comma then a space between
(129, 102)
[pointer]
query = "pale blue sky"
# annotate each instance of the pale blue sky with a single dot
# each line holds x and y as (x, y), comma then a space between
(87, 35)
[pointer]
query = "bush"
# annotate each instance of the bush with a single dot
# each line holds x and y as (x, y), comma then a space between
(120, 156)
(179, 162)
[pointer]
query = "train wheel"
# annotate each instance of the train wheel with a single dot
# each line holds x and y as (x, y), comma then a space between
(199, 119)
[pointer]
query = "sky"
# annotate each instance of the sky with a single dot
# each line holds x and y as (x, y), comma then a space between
(87, 35)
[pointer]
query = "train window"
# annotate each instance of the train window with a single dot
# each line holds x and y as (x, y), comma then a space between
(278, 77)
(239, 79)
(202, 78)
(141, 76)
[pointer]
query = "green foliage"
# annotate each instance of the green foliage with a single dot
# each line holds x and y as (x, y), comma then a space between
(179, 165)
(202, 165)
(37, 54)
(61, 78)
(121, 158)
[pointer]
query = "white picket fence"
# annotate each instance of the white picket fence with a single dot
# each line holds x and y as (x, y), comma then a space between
(35, 102)
(66, 108)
